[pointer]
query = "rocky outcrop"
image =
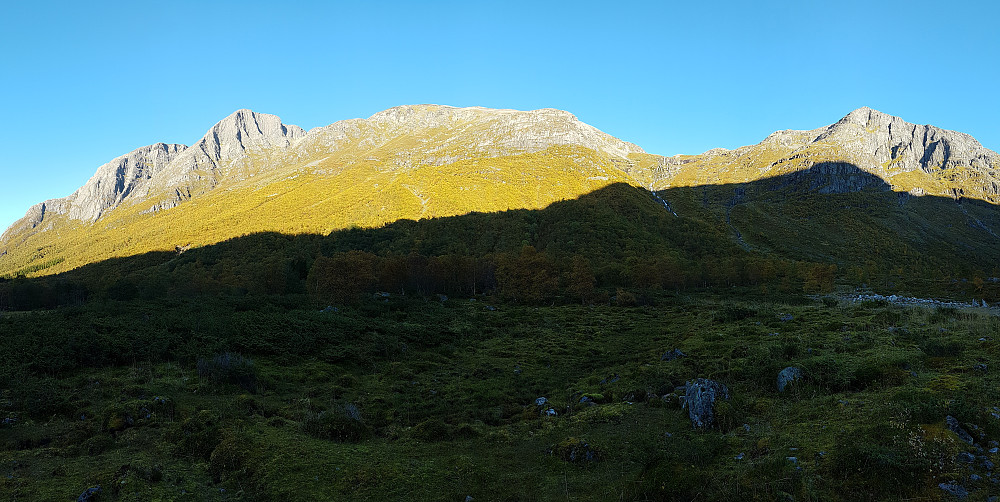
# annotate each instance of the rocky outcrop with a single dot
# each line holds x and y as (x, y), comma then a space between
(503, 132)
(883, 140)
(201, 166)
(887, 152)
(171, 171)
(414, 135)
(119, 179)
(700, 396)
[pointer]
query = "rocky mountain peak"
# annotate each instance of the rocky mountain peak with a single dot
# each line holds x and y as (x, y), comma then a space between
(884, 143)
(242, 133)
(490, 132)
(112, 183)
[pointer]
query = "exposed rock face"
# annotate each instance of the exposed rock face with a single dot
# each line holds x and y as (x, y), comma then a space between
(919, 159)
(120, 178)
(242, 133)
(884, 139)
(175, 170)
(490, 132)
(124, 176)
(413, 135)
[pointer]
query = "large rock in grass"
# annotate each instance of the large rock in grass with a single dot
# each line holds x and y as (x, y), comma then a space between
(787, 376)
(955, 426)
(90, 494)
(700, 396)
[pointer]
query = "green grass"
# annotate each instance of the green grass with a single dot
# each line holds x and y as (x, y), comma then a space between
(418, 399)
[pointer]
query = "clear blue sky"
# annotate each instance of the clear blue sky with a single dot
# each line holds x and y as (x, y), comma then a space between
(84, 82)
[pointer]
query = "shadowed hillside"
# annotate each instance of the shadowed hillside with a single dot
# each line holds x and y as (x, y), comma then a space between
(803, 231)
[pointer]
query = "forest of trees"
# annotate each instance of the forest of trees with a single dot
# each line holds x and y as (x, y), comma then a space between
(582, 250)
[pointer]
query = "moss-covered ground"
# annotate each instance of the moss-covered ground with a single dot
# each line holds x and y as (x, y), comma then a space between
(413, 398)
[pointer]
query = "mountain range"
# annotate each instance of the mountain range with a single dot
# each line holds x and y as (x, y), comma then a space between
(252, 173)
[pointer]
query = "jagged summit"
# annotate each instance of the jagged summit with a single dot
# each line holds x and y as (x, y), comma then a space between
(478, 131)
(920, 159)
(888, 144)
(242, 133)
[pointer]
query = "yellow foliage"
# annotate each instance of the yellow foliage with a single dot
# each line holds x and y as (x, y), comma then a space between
(319, 195)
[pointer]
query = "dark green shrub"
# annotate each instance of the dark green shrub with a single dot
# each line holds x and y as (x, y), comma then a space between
(341, 423)
(731, 313)
(196, 435)
(937, 347)
(236, 460)
(879, 462)
(40, 398)
(432, 429)
(923, 405)
(230, 368)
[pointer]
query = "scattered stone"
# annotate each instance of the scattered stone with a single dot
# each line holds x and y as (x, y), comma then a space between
(330, 308)
(974, 477)
(89, 494)
(587, 400)
(468, 498)
(980, 367)
(442, 298)
(786, 317)
(517, 370)
(491, 308)
(541, 401)
(700, 395)
(787, 376)
(740, 456)
(954, 489)
(956, 427)
(965, 457)
(671, 355)
(551, 412)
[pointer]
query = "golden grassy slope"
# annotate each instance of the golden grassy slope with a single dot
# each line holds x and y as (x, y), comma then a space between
(319, 195)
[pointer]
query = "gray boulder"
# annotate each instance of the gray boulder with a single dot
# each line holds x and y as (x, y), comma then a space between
(955, 426)
(700, 396)
(955, 489)
(787, 376)
(89, 494)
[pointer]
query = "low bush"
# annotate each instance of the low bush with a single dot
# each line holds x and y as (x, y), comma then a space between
(230, 368)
